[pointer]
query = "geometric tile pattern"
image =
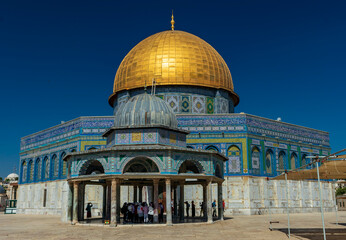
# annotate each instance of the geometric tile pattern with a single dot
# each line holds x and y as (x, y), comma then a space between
(173, 102)
(185, 104)
(210, 105)
(198, 104)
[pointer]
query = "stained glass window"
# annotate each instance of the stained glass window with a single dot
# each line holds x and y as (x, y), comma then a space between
(46, 168)
(24, 172)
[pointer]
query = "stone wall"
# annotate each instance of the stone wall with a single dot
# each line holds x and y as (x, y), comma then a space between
(255, 195)
(243, 196)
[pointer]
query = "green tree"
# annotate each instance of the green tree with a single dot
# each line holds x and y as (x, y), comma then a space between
(340, 191)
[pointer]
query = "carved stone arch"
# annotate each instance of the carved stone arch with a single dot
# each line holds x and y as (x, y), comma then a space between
(91, 167)
(140, 164)
(212, 148)
(190, 165)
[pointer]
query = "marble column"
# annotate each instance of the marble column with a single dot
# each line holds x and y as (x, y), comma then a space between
(175, 200)
(219, 201)
(114, 203)
(104, 205)
(156, 200)
(108, 202)
(181, 201)
(205, 200)
(209, 201)
(140, 193)
(69, 202)
(75, 203)
(135, 199)
(168, 202)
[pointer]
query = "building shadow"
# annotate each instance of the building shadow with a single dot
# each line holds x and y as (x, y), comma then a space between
(315, 233)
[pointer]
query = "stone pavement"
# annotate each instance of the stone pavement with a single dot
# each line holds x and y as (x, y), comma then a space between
(238, 227)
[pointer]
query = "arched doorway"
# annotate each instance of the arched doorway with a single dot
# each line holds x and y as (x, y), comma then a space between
(91, 167)
(141, 165)
(190, 166)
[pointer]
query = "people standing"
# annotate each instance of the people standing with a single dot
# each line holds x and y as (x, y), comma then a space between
(140, 213)
(223, 205)
(201, 204)
(193, 209)
(187, 208)
(151, 213)
(213, 205)
(145, 212)
(160, 212)
(88, 209)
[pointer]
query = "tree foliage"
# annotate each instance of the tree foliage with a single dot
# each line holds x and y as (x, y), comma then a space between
(340, 191)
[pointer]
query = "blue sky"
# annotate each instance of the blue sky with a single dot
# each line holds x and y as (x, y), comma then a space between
(58, 59)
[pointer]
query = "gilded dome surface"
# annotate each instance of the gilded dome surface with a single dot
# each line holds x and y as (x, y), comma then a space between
(173, 58)
(145, 110)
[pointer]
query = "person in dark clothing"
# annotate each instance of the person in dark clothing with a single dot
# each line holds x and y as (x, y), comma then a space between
(187, 208)
(193, 209)
(160, 209)
(124, 211)
(88, 209)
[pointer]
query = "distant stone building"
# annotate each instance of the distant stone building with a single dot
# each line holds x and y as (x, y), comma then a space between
(195, 82)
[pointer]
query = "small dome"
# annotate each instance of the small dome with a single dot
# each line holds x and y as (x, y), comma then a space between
(12, 177)
(145, 110)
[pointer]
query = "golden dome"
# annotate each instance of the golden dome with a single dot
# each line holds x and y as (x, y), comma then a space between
(173, 58)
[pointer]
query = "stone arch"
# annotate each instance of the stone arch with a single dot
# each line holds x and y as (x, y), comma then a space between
(282, 160)
(38, 169)
(189, 147)
(189, 166)
(256, 160)
(212, 148)
(45, 167)
(218, 170)
(269, 161)
(54, 165)
(304, 160)
(64, 163)
(31, 171)
(293, 160)
(91, 167)
(140, 165)
(24, 171)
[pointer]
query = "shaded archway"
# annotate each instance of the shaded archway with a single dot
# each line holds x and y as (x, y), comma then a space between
(190, 166)
(91, 167)
(140, 165)
(218, 171)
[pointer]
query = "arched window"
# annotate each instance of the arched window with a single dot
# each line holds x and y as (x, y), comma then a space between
(24, 171)
(233, 159)
(255, 160)
(46, 168)
(282, 157)
(55, 165)
(64, 164)
(293, 160)
(31, 171)
(212, 148)
(268, 162)
(38, 169)
(303, 162)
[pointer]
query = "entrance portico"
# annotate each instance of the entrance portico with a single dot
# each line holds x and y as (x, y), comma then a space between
(112, 184)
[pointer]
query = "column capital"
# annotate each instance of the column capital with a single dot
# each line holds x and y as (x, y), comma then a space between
(168, 180)
(156, 180)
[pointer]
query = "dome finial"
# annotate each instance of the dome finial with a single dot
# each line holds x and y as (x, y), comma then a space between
(172, 22)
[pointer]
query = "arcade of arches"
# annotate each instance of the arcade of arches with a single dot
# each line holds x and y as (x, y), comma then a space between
(142, 173)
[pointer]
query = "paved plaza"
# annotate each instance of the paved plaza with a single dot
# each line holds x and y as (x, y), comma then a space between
(238, 227)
